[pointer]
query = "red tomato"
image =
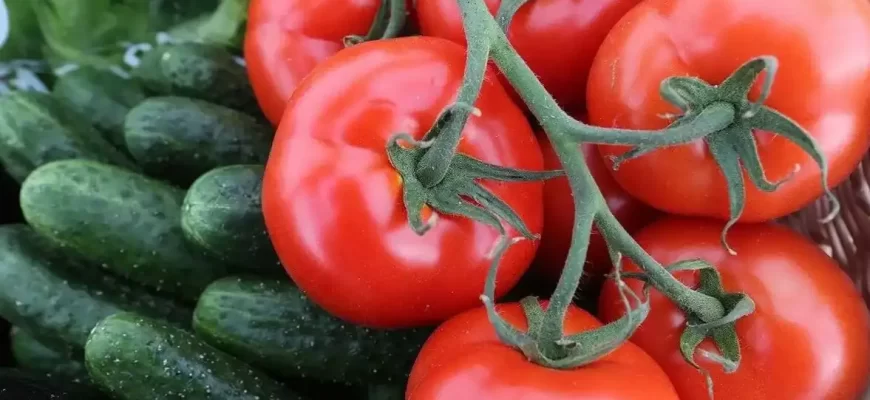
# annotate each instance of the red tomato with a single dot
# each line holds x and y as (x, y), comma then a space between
(557, 38)
(824, 70)
(806, 340)
(464, 360)
(333, 202)
(559, 214)
(286, 39)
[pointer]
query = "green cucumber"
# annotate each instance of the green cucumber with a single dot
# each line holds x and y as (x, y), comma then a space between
(47, 292)
(136, 358)
(273, 326)
(16, 384)
(200, 71)
(223, 213)
(126, 221)
(31, 354)
(100, 97)
(36, 128)
(179, 139)
(386, 392)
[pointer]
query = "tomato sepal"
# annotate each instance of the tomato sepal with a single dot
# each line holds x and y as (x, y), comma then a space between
(458, 193)
(722, 331)
(735, 144)
(562, 352)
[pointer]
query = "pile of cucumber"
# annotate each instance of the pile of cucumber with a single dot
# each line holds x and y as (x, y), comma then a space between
(143, 269)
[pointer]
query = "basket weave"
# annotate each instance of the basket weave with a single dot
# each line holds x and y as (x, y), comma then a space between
(847, 237)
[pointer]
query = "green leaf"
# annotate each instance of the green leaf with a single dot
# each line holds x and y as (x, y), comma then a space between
(115, 25)
(109, 24)
(224, 27)
(20, 37)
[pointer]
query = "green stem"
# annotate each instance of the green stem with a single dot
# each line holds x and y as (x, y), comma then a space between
(506, 12)
(553, 120)
(586, 206)
(714, 118)
(378, 25)
(434, 164)
(398, 17)
(388, 23)
(705, 307)
(544, 107)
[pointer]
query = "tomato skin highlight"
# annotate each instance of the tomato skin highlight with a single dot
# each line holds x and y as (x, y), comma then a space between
(824, 70)
(559, 215)
(808, 336)
(333, 203)
(557, 38)
(286, 39)
(464, 360)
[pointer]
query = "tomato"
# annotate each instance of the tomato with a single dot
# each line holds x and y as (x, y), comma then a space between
(333, 203)
(464, 360)
(286, 39)
(824, 70)
(557, 38)
(807, 339)
(559, 215)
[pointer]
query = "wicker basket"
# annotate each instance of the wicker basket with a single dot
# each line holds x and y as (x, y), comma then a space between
(847, 237)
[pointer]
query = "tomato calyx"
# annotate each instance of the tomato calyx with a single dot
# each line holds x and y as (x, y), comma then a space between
(735, 144)
(388, 23)
(459, 193)
(721, 331)
(555, 350)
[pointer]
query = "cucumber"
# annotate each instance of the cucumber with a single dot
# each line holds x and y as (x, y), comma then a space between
(385, 392)
(179, 139)
(223, 213)
(136, 358)
(31, 354)
(17, 384)
(43, 292)
(200, 71)
(36, 128)
(100, 97)
(273, 326)
(126, 221)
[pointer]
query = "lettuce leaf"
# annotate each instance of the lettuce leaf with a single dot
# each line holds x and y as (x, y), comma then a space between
(20, 37)
(98, 33)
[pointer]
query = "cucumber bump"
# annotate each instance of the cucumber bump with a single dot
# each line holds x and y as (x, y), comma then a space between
(271, 324)
(137, 358)
(223, 213)
(129, 223)
(179, 138)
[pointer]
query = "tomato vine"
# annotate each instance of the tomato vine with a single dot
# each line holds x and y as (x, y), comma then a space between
(722, 116)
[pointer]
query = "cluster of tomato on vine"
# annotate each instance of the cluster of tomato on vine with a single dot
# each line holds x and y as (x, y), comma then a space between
(415, 175)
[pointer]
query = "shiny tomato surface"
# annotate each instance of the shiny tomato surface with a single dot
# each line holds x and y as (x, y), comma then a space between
(824, 71)
(286, 39)
(333, 202)
(464, 360)
(557, 38)
(808, 339)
